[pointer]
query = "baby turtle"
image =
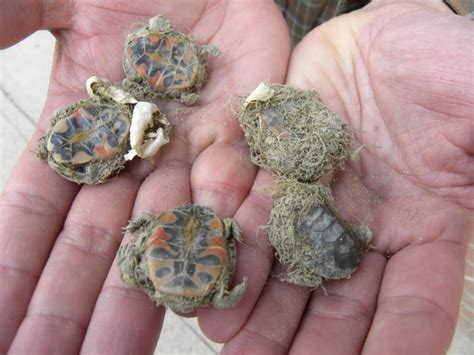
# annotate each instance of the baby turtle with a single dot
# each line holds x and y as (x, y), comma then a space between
(161, 62)
(183, 258)
(90, 140)
(87, 141)
(292, 133)
(310, 237)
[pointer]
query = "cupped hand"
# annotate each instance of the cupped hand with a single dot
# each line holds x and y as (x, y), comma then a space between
(60, 288)
(401, 75)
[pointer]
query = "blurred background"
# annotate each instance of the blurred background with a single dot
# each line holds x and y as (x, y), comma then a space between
(24, 77)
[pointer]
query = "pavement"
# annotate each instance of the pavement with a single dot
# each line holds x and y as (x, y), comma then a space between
(24, 77)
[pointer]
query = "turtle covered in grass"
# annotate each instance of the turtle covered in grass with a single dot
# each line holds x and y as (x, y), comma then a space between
(89, 141)
(183, 258)
(292, 133)
(310, 237)
(160, 62)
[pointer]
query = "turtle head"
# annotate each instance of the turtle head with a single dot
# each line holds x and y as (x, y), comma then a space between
(159, 24)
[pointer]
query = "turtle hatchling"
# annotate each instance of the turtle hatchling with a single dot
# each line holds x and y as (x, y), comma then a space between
(292, 133)
(310, 237)
(183, 258)
(160, 62)
(90, 140)
(87, 141)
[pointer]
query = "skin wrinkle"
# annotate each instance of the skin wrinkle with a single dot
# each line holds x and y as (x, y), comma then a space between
(218, 29)
(253, 336)
(123, 291)
(73, 235)
(56, 14)
(68, 85)
(350, 309)
(386, 305)
(28, 202)
(18, 272)
(56, 320)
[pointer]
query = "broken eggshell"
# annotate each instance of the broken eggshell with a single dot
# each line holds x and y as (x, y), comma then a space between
(149, 131)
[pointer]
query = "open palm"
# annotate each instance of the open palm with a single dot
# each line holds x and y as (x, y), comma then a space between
(60, 288)
(399, 76)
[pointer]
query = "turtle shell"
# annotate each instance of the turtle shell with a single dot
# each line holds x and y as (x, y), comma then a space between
(166, 62)
(186, 254)
(92, 132)
(87, 141)
(337, 250)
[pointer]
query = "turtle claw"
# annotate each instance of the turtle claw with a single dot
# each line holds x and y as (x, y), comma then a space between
(232, 229)
(227, 300)
(138, 223)
(209, 50)
(189, 99)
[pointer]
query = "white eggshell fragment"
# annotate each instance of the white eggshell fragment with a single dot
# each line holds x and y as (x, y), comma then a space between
(145, 141)
(98, 87)
(262, 92)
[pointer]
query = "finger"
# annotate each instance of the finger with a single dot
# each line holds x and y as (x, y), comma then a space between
(125, 320)
(274, 320)
(33, 208)
(254, 260)
(222, 176)
(35, 15)
(65, 296)
(338, 316)
(418, 300)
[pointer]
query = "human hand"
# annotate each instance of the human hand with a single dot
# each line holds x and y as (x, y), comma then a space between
(401, 75)
(60, 287)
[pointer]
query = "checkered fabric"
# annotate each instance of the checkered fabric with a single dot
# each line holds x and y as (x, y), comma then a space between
(304, 15)
(461, 7)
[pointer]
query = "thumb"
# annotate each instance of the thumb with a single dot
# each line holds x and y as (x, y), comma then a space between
(20, 18)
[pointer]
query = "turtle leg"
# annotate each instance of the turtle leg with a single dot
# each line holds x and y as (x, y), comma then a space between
(209, 50)
(189, 98)
(127, 264)
(225, 298)
(232, 229)
(140, 222)
(228, 299)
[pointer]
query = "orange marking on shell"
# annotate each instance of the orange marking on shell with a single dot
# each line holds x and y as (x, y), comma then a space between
(77, 115)
(216, 242)
(101, 151)
(156, 81)
(216, 224)
(191, 269)
(154, 37)
(159, 238)
(167, 217)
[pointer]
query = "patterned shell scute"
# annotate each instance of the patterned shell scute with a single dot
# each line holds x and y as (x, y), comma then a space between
(166, 62)
(90, 133)
(187, 252)
(338, 250)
